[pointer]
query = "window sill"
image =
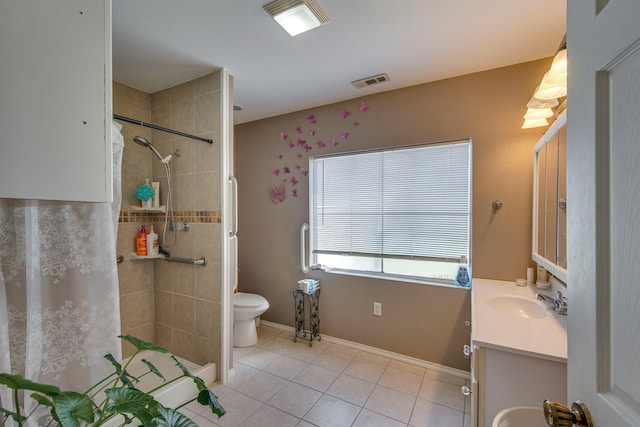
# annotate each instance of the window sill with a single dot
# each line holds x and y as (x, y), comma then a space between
(395, 278)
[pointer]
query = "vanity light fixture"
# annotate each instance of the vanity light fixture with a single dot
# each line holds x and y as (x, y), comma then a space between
(296, 16)
(552, 87)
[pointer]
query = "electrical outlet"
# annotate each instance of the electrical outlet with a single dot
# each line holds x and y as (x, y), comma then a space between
(377, 309)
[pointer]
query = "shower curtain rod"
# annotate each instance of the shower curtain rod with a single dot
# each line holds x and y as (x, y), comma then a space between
(149, 125)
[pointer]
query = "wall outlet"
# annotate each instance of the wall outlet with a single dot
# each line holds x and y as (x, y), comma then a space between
(377, 309)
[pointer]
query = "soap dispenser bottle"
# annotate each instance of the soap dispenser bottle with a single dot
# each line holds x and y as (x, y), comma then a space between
(463, 272)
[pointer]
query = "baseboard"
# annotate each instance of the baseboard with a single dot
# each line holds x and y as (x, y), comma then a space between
(380, 352)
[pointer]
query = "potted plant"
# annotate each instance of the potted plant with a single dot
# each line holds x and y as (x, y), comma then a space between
(70, 408)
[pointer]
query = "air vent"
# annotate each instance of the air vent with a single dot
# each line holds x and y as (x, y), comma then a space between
(369, 81)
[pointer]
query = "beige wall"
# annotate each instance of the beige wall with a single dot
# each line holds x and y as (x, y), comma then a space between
(421, 321)
(181, 301)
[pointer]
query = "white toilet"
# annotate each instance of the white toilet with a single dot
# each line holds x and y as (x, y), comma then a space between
(247, 308)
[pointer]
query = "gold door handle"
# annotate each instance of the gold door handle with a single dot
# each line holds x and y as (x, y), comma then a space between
(558, 415)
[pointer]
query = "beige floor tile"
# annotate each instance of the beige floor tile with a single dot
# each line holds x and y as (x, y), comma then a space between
(369, 418)
(286, 367)
(334, 360)
(443, 393)
(302, 351)
(365, 370)
(268, 416)
(431, 414)
(446, 378)
(316, 377)
(241, 373)
(401, 380)
(295, 399)
(238, 406)
(258, 358)
(375, 358)
(351, 389)
(262, 386)
(332, 412)
(391, 403)
(407, 367)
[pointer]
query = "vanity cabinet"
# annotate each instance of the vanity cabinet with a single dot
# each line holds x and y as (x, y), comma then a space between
(55, 100)
(550, 200)
(505, 379)
(518, 350)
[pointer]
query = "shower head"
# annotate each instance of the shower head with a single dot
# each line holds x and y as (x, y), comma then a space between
(143, 142)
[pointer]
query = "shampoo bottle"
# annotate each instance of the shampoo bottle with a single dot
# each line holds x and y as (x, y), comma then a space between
(152, 243)
(141, 242)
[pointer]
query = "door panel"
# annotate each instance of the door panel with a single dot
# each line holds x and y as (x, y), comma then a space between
(603, 218)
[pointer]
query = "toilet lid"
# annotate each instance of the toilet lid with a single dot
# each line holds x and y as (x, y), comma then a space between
(241, 299)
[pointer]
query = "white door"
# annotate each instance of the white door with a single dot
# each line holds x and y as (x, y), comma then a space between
(603, 174)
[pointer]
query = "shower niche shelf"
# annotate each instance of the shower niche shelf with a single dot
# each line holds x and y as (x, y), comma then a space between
(159, 209)
(135, 257)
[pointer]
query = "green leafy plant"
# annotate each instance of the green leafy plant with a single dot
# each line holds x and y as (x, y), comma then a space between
(71, 409)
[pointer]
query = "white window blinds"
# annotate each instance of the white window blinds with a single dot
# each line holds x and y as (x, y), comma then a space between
(409, 203)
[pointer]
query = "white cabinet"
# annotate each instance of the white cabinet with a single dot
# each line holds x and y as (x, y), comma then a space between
(55, 100)
(550, 200)
(505, 379)
(519, 348)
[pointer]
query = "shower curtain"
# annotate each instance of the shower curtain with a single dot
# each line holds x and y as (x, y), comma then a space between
(59, 295)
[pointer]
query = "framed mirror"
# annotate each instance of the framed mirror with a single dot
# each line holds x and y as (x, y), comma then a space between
(549, 239)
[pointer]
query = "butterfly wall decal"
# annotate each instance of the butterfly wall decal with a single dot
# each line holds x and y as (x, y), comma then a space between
(277, 194)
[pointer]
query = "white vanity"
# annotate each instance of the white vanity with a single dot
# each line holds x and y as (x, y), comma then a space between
(518, 350)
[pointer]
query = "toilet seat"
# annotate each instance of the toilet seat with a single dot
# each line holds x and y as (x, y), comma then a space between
(243, 300)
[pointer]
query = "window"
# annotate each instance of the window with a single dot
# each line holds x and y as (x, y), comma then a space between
(396, 212)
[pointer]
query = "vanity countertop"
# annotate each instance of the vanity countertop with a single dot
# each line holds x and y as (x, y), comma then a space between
(508, 317)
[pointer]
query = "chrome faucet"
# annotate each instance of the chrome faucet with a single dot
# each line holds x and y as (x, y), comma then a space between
(559, 304)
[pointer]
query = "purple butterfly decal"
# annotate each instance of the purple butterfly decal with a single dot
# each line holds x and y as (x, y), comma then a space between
(294, 181)
(291, 144)
(298, 129)
(312, 132)
(334, 142)
(277, 194)
(307, 148)
(312, 119)
(298, 167)
(321, 144)
(363, 107)
(356, 123)
(304, 172)
(283, 136)
(294, 193)
(301, 142)
(344, 113)
(299, 155)
(279, 156)
(345, 135)
(286, 169)
(275, 171)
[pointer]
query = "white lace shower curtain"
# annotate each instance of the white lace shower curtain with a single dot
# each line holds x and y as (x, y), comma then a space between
(59, 296)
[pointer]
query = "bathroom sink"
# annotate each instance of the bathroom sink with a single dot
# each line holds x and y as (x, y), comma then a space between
(519, 307)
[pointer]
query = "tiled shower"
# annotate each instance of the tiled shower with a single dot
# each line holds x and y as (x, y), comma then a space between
(174, 305)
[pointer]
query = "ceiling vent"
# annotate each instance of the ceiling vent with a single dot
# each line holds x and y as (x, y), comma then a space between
(369, 81)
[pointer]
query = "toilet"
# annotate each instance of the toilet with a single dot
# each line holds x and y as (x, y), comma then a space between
(247, 309)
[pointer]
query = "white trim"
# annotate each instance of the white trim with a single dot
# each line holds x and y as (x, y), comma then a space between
(380, 352)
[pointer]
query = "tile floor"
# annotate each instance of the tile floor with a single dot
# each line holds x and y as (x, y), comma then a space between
(279, 383)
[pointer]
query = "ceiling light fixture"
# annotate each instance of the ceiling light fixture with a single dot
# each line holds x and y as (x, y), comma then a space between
(552, 87)
(296, 16)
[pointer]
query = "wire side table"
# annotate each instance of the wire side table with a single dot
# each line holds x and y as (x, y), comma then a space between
(307, 319)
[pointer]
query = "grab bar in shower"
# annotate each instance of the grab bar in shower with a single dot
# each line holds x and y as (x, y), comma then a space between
(303, 248)
(202, 261)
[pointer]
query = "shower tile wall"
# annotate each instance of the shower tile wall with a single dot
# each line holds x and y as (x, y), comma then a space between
(183, 300)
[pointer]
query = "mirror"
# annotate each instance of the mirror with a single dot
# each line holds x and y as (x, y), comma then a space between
(550, 200)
